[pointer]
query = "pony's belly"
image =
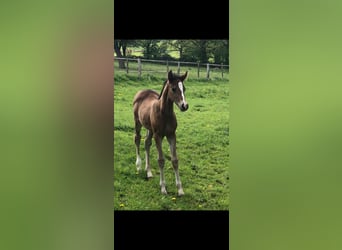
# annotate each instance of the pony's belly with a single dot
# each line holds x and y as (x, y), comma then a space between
(145, 121)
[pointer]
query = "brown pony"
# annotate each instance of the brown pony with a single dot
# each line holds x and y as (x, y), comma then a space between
(155, 112)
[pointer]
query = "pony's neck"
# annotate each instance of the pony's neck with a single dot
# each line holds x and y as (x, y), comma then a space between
(166, 105)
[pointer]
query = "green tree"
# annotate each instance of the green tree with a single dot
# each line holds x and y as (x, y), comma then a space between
(205, 50)
(195, 51)
(189, 50)
(120, 49)
(179, 46)
(150, 48)
(218, 50)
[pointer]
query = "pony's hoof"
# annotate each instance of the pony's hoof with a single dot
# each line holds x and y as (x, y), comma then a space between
(149, 175)
(163, 191)
(180, 192)
(138, 164)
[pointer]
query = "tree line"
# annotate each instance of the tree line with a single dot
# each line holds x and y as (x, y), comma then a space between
(203, 51)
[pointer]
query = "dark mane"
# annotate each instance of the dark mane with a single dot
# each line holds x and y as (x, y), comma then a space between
(161, 92)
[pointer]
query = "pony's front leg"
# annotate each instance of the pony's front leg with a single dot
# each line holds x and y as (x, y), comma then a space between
(172, 141)
(161, 162)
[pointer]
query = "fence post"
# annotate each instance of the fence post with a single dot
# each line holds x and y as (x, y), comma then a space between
(127, 65)
(178, 69)
(167, 66)
(198, 69)
(222, 69)
(139, 68)
(207, 71)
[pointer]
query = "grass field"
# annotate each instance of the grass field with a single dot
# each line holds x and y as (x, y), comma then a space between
(138, 51)
(202, 148)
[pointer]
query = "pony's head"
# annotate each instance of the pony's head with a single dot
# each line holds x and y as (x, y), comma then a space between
(176, 91)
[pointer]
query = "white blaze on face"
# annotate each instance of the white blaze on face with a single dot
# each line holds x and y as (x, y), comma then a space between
(180, 85)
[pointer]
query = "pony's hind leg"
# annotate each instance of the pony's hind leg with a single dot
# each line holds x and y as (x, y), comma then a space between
(148, 143)
(172, 141)
(137, 139)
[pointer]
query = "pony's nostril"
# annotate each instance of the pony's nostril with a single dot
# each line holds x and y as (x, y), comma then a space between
(185, 107)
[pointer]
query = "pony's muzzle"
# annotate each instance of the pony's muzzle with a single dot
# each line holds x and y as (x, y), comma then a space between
(184, 107)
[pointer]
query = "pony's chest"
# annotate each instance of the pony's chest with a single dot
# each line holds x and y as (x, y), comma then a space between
(164, 124)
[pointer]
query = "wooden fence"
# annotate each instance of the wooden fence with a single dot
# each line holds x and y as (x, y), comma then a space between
(140, 66)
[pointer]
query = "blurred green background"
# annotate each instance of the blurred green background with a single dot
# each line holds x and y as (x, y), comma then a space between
(286, 122)
(56, 114)
(56, 99)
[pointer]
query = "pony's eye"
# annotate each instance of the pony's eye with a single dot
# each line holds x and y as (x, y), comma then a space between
(174, 89)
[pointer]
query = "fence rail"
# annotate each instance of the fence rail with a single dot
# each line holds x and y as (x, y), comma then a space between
(141, 66)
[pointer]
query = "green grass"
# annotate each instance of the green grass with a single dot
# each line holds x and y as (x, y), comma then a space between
(202, 148)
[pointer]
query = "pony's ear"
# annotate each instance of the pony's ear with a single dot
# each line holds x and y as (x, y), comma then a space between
(170, 75)
(183, 77)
